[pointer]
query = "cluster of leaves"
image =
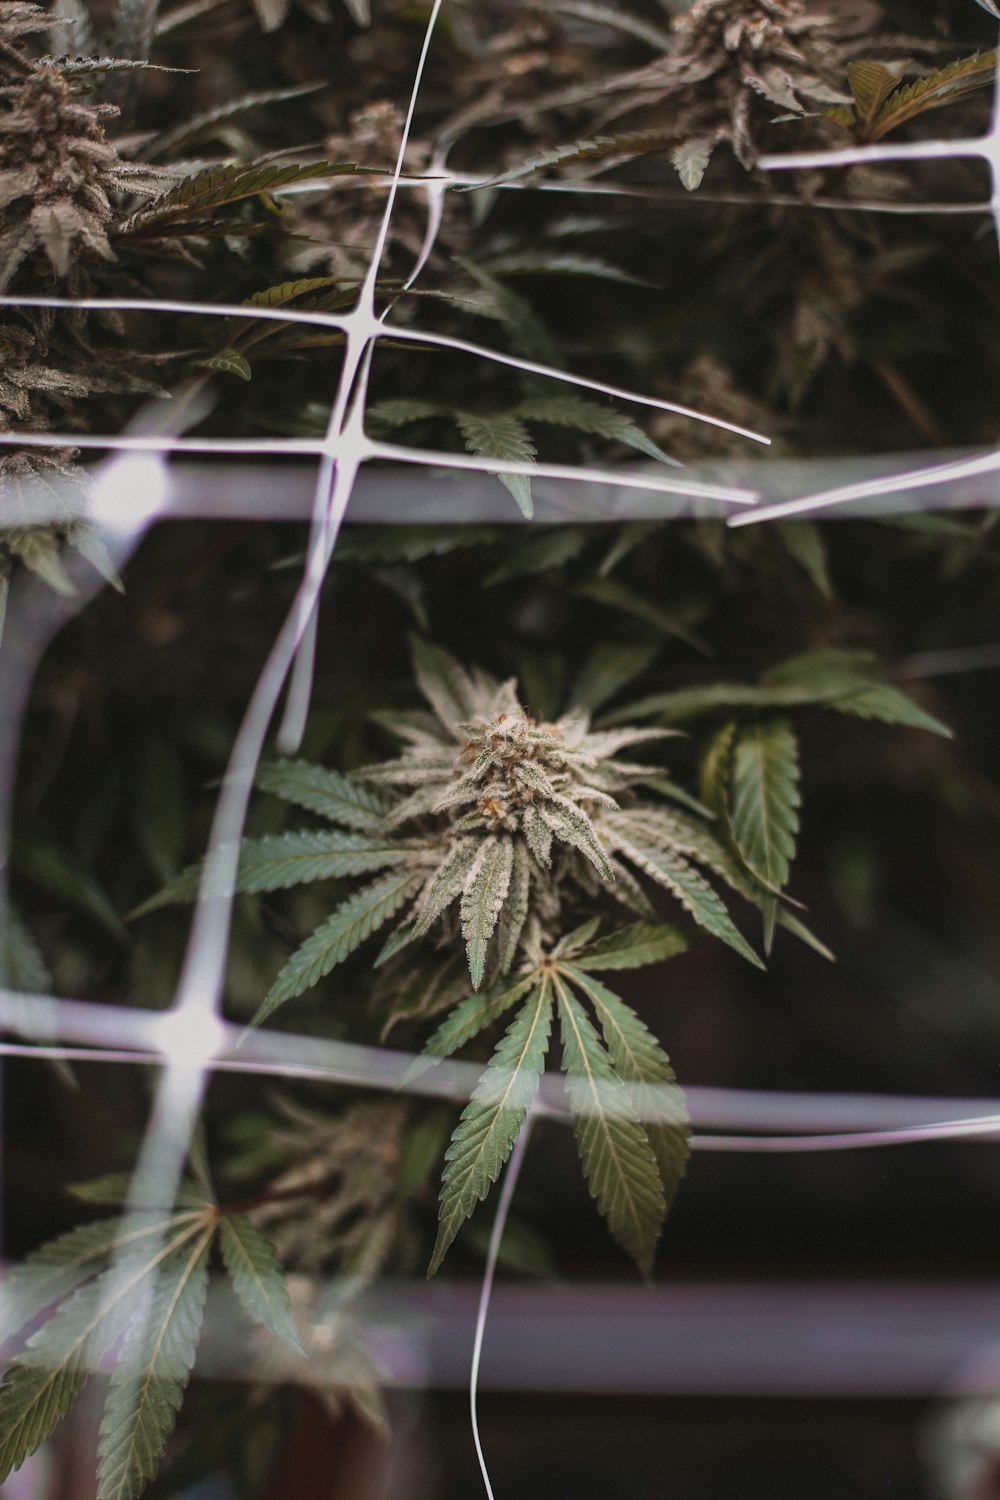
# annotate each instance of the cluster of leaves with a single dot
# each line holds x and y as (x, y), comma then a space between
(494, 829)
(132, 1289)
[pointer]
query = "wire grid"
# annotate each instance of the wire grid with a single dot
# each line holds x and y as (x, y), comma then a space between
(130, 492)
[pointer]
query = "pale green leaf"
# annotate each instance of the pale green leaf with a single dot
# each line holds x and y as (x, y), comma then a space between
(447, 687)
(205, 124)
(603, 147)
(639, 1060)
(53, 1271)
(485, 892)
(356, 919)
(618, 1160)
(258, 1279)
(337, 798)
(514, 911)
(690, 160)
(713, 772)
(449, 880)
(492, 1120)
(400, 412)
(577, 939)
(113, 1188)
(571, 824)
(152, 1371)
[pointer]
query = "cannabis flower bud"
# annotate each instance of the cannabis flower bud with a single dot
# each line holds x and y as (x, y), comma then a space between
(510, 818)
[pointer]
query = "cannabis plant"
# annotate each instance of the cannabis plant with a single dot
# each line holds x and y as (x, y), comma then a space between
(516, 840)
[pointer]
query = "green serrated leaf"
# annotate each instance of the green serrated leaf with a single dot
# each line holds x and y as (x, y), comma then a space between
(56, 870)
(227, 362)
(485, 892)
(257, 1277)
(616, 596)
(764, 815)
(633, 947)
(949, 83)
(571, 824)
(639, 1060)
(877, 700)
(53, 1271)
(356, 919)
(617, 1158)
(501, 435)
(400, 412)
(448, 883)
(113, 1188)
(803, 541)
(576, 412)
(171, 142)
(492, 1120)
(51, 1370)
(337, 798)
(870, 83)
(467, 1020)
(154, 1366)
(279, 861)
(673, 872)
(215, 187)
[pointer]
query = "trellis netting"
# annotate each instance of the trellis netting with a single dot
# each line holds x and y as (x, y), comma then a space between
(158, 471)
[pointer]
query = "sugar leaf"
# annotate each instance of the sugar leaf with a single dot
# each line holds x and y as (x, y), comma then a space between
(485, 893)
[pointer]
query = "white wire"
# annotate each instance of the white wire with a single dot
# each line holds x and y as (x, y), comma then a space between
(499, 1224)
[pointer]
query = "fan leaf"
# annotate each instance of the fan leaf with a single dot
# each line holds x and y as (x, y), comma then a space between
(152, 1371)
(633, 947)
(673, 872)
(492, 1120)
(615, 1152)
(765, 804)
(333, 796)
(257, 1277)
(639, 1060)
(501, 435)
(356, 919)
